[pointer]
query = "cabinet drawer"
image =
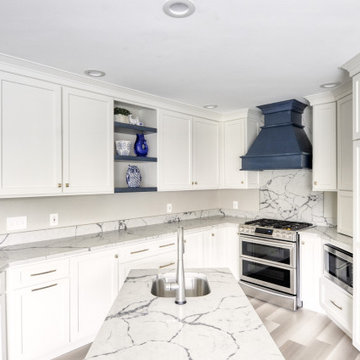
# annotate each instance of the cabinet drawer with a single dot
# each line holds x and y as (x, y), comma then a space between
(337, 303)
(37, 273)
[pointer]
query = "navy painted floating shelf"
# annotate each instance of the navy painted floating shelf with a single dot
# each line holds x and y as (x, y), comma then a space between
(135, 158)
(132, 129)
(139, 189)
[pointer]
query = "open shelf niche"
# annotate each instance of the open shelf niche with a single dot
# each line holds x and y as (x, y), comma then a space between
(147, 165)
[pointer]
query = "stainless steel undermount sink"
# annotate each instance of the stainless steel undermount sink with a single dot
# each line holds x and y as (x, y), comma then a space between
(196, 284)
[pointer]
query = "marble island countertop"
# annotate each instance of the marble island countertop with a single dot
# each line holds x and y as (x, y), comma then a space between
(49, 249)
(221, 325)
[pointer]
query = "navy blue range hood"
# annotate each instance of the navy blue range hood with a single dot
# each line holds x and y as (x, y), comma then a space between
(282, 142)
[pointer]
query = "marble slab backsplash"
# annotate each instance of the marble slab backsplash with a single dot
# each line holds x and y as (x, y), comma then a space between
(99, 228)
(288, 195)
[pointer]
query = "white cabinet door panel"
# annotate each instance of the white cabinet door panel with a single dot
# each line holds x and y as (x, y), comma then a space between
(38, 320)
(356, 107)
(324, 147)
(30, 136)
(174, 151)
(194, 248)
(88, 142)
(205, 147)
(94, 288)
(345, 212)
(344, 126)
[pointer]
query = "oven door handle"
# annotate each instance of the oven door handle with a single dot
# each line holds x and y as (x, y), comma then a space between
(270, 242)
(338, 253)
(267, 262)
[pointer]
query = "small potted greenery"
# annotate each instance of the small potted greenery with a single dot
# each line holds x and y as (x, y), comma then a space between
(121, 115)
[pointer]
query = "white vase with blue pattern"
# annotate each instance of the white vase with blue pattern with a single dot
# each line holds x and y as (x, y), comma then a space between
(133, 176)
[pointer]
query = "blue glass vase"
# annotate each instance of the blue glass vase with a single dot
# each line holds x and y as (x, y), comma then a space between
(140, 146)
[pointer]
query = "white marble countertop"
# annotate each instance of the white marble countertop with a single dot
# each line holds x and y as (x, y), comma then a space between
(43, 250)
(331, 236)
(49, 249)
(221, 325)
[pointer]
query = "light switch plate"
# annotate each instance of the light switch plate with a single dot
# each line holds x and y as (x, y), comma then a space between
(168, 208)
(16, 223)
(235, 205)
(54, 219)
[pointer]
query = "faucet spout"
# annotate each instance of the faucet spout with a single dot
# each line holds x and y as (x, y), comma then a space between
(180, 274)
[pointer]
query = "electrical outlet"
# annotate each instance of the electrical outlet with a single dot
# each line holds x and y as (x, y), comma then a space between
(168, 208)
(235, 205)
(16, 223)
(54, 219)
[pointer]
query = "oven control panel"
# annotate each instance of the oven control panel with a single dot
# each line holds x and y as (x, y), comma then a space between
(268, 232)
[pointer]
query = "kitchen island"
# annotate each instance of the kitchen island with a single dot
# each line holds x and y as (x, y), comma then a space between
(221, 325)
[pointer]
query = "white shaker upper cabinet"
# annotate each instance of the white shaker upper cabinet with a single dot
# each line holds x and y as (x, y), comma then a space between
(238, 136)
(30, 136)
(174, 151)
(356, 107)
(205, 147)
(324, 147)
(88, 142)
(344, 126)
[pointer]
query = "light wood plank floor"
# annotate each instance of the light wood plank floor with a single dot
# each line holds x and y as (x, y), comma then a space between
(304, 334)
(300, 335)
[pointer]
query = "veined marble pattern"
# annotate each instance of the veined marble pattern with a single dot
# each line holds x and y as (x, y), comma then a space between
(98, 229)
(287, 194)
(220, 326)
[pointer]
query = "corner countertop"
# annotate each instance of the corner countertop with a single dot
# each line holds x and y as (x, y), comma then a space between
(221, 325)
(331, 236)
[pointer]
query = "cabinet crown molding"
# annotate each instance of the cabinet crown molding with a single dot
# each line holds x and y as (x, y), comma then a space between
(242, 113)
(320, 98)
(353, 65)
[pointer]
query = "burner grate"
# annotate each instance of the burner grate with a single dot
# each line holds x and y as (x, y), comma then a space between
(279, 224)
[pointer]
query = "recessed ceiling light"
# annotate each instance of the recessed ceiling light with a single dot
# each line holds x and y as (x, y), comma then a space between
(179, 8)
(210, 106)
(94, 73)
(330, 85)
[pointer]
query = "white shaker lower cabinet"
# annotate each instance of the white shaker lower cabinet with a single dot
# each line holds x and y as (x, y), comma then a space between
(311, 270)
(175, 155)
(338, 304)
(38, 321)
(30, 136)
(205, 150)
(88, 142)
(324, 147)
(94, 286)
(194, 249)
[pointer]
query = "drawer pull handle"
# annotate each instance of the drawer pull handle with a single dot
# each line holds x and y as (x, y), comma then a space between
(166, 245)
(139, 251)
(339, 307)
(45, 287)
(164, 266)
(43, 273)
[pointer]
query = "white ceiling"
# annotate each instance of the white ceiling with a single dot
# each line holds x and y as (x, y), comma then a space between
(235, 53)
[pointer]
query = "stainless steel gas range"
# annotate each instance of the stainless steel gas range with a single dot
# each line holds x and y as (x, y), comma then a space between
(269, 261)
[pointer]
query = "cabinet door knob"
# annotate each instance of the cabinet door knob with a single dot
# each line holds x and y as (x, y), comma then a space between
(212, 234)
(59, 185)
(195, 182)
(116, 256)
(315, 182)
(192, 183)
(303, 243)
(67, 185)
